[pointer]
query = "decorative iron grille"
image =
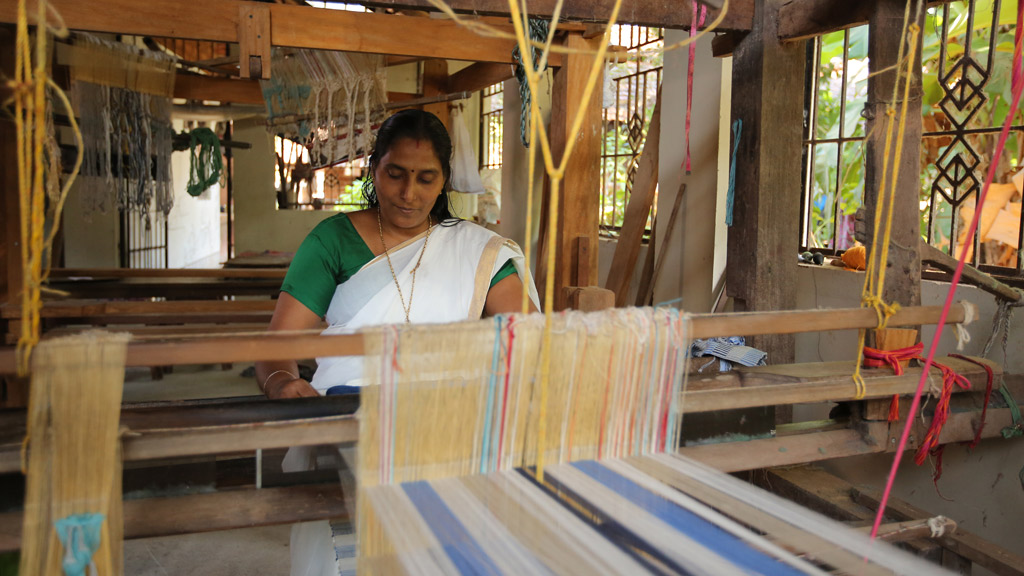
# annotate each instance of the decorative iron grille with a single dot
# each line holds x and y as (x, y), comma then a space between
(627, 115)
(491, 125)
(966, 65)
(143, 240)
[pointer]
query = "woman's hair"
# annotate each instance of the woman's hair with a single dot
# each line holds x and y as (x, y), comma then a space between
(418, 125)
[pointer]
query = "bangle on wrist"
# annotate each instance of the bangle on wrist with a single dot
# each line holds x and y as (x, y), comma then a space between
(275, 373)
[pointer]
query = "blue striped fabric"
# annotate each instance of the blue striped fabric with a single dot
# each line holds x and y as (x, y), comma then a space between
(459, 545)
(698, 529)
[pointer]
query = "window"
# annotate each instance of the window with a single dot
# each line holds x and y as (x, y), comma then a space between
(491, 107)
(966, 66)
(301, 187)
(627, 115)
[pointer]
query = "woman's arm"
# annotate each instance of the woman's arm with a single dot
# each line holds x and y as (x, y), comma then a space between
(280, 379)
(506, 297)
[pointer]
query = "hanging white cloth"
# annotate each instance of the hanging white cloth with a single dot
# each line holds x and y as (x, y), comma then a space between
(465, 175)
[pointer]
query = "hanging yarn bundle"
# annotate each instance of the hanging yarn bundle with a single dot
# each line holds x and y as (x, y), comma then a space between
(538, 33)
(321, 97)
(122, 93)
(72, 522)
(205, 163)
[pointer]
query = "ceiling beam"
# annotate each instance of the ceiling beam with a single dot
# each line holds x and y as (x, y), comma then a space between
(661, 13)
(220, 89)
(478, 76)
(803, 19)
(290, 26)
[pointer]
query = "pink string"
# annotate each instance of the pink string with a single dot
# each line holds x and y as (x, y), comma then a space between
(695, 23)
(1018, 86)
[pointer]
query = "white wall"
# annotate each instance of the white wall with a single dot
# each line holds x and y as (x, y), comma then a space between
(193, 225)
(90, 237)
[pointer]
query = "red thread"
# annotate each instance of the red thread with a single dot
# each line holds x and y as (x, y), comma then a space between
(988, 394)
(504, 400)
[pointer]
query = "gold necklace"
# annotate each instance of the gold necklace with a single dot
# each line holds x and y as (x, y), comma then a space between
(412, 289)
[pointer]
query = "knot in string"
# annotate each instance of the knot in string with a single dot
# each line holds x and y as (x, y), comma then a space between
(883, 310)
(80, 536)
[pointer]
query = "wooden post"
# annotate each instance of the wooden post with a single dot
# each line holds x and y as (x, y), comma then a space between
(254, 40)
(10, 222)
(435, 83)
(903, 279)
(578, 206)
(762, 253)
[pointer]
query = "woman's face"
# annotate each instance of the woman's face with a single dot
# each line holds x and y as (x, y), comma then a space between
(408, 180)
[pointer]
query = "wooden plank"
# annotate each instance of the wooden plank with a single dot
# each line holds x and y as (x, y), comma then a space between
(290, 26)
(86, 308)
(10, 213)
(649, 293)
(784, 451)
(724, 45)
(168, 272)
(645, 290)
(659, 13)
(947, 263)
(768, 80)
(230, 90)
(435, 83)
(639, 208)
(276, 346)
(478, 76)
(196, 513)
(254, 40)
(808, 383)
(903, 282)
(590, 298)
(986, 554)
(578, 206)
(803, 19)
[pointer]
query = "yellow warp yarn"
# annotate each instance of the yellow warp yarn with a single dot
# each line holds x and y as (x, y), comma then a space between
(874, 282)
(29, 85)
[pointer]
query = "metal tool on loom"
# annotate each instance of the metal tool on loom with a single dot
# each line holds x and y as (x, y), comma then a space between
(449, 446)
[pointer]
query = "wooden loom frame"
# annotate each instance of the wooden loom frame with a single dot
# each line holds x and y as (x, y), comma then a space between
(221, 18)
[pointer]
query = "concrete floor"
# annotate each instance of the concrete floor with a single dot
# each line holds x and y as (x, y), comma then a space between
(243, 552)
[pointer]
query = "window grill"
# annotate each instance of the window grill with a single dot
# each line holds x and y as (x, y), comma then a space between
(634, 84)
(300, 187)
(491, 126)
(966, 65)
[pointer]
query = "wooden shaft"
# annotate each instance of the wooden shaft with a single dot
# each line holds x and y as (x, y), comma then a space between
(168, 273)
(903, 531)
(947, 263)
(271, 346)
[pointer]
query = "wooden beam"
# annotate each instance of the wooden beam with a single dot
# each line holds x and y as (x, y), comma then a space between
(768, 80)
(478, 76)
(986, 554)
(903, 281)
(578, 206)
(803, 19)
(254, 40)
(435, 84)
(230, 90)
(659, 13)
(225, 510)
(637, 211)
(808, 383)
(10, 211)
(290, 26)
(277, 346)
(947, 263)
(168, 273)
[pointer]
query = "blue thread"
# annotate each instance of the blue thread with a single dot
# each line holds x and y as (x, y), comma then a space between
(460, 546)
(712, 537)
(668, 302)
(485, 453)
(737, 129)
(80, 536)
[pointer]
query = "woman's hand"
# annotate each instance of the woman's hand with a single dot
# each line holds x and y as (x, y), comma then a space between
(281, 388)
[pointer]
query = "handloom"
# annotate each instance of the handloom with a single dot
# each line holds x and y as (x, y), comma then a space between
(448, 460)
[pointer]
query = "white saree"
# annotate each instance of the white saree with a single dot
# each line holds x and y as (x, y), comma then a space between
(451, 285)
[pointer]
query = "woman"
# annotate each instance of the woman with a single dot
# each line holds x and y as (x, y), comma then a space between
(402, 259)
